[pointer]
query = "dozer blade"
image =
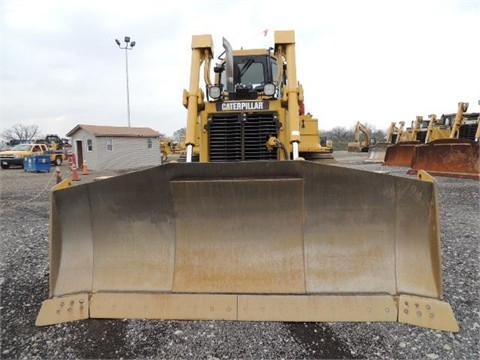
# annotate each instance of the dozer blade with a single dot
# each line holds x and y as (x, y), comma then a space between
(376, 153)
(448, 157)
(400, 154)
(269, 241)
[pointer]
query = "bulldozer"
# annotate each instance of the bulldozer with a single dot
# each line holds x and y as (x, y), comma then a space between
(401, 153)
(454, 150)
(360, 145)
(444, 145)
(246, 229)
(376, 152)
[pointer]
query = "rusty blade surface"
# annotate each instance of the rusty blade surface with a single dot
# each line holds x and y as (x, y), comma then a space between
(449, 157)
(400, 154)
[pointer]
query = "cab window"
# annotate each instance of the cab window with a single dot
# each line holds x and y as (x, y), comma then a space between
(251, 73)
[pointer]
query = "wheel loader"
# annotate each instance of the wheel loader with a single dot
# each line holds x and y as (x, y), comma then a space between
(246, 229)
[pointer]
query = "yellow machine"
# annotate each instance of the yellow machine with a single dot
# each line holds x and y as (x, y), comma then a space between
(311, 146)
(360, 145)
(253, 77)
(246, 229)
(451, 147)
(180, 148)
(401, 153)
(438, 128)
(376, 152)
(165, 149)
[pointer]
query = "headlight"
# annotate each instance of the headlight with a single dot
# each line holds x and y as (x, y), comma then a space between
(18, 156)
(214, 92)
(269, 89)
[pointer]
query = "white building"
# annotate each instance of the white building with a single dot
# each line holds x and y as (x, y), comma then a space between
(115, 147)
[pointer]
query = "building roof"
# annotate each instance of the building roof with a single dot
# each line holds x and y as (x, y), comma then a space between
(116, 131)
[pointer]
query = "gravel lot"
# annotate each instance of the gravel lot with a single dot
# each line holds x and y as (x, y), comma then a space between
(24, 229)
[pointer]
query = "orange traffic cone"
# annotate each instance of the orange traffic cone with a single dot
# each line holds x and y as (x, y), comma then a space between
(85, 168)
(75, 173)
(59, 175)
(71, 161)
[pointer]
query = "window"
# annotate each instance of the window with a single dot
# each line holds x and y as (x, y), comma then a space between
(90, 145)
(109, 144)
(149, 143)
(251, 73)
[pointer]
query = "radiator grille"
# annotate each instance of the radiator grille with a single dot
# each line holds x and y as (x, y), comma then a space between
(241, 137)
(467, 131)
(421, 136)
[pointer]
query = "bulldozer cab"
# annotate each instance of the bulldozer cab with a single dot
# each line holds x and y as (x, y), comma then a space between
(250, 74)
(245, 229)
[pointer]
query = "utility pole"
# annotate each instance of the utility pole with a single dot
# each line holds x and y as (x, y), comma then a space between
(128, 46)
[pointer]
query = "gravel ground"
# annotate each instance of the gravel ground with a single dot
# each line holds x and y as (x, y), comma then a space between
(24, 229)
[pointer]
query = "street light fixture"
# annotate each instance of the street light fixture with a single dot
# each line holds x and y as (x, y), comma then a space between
(128, 46)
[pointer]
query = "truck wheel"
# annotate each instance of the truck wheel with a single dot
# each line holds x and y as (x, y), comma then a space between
(58, 161)
(5, 166)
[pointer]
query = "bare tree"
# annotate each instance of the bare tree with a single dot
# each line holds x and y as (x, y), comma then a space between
(179, 135)
(340, 132)
(21, 132)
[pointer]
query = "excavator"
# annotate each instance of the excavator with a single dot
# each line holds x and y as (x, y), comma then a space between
(360, 145)
(246, 228)
(454, 148)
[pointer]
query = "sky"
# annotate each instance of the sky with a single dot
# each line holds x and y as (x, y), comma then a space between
(375, 62)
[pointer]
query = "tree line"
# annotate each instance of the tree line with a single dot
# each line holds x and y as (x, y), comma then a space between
(339, 135)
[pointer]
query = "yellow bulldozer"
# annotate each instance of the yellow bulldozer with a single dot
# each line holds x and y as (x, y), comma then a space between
(359, 145)
(246, 229)
(401, 153)
(452, 146)
(443, 146)
(376, 152)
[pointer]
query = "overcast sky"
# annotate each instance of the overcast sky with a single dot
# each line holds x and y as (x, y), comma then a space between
(368, 61)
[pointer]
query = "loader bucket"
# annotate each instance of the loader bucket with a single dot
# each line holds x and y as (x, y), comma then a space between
(448, 157)
(400, 154)
(248, 241)
(376, 153)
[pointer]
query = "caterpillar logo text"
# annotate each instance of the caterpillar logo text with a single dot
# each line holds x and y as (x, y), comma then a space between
(242, 105)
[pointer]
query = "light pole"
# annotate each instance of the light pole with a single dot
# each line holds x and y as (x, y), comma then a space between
(128, 46)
